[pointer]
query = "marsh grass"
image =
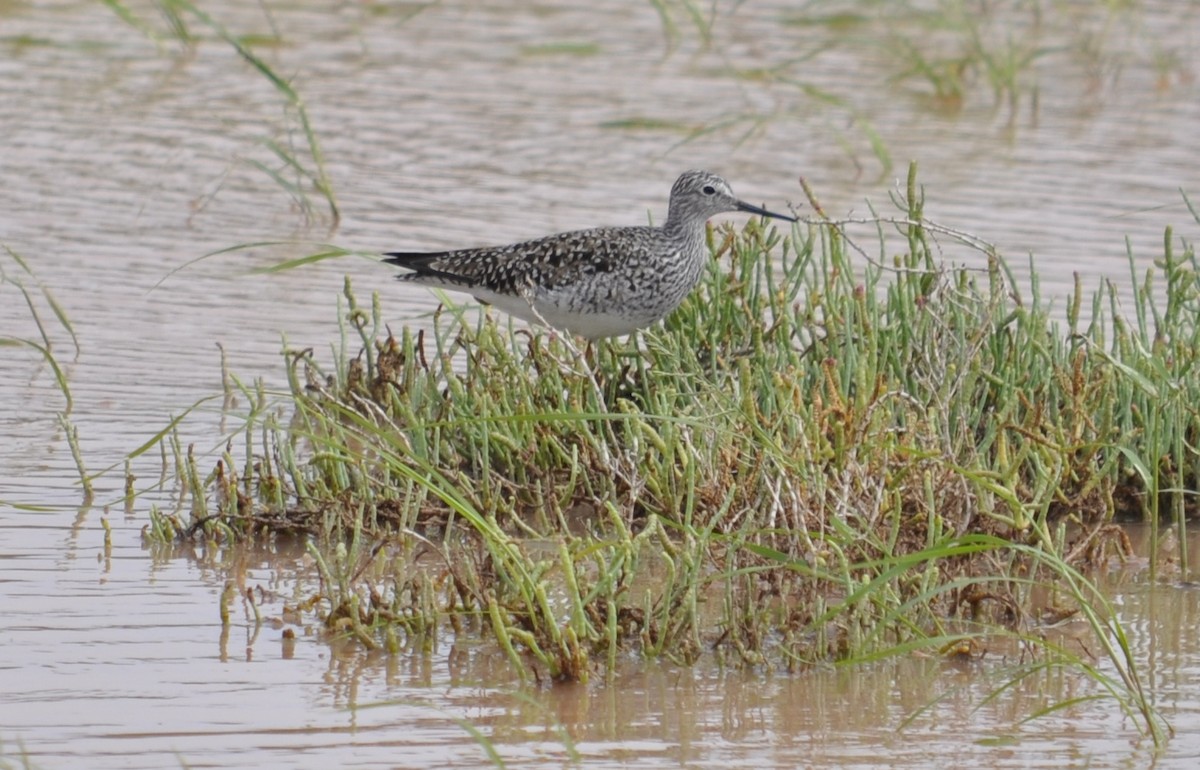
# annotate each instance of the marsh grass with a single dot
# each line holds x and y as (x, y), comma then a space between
(962, 46)
(822, 457)
(299, 163)
(20, 760)
(954, 49)
(669, 11)
(949, 56)
(38, 299)
(32, 298)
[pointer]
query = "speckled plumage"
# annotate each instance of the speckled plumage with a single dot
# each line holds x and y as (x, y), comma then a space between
(602, 282)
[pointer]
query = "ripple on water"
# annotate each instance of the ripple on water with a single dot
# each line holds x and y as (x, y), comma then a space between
(121, 165)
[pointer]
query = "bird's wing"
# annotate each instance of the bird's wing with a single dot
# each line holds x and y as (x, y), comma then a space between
(546, 262)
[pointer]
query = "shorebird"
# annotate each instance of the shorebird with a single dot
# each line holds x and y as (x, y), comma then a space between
(602, 282)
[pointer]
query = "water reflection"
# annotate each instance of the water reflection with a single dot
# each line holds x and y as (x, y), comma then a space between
(152, 671)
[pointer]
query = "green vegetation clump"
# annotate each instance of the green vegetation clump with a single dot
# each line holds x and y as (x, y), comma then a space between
(820, 458)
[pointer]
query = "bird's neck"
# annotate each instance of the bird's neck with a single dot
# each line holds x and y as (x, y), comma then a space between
(684, 229)
(689, 237)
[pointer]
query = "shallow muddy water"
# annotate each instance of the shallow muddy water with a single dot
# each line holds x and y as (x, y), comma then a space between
(123, 160)
(120, 661)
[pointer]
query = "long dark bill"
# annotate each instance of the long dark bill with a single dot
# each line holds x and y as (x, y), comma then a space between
(743, 206)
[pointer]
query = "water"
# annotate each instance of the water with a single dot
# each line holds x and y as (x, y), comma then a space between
(123, 160)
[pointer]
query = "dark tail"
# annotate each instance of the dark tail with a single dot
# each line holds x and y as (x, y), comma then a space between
(414, 260)
(421, 263)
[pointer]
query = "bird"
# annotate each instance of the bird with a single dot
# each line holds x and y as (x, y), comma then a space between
(594, 283)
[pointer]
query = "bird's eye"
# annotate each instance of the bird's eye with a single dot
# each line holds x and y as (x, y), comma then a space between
(709, 190)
